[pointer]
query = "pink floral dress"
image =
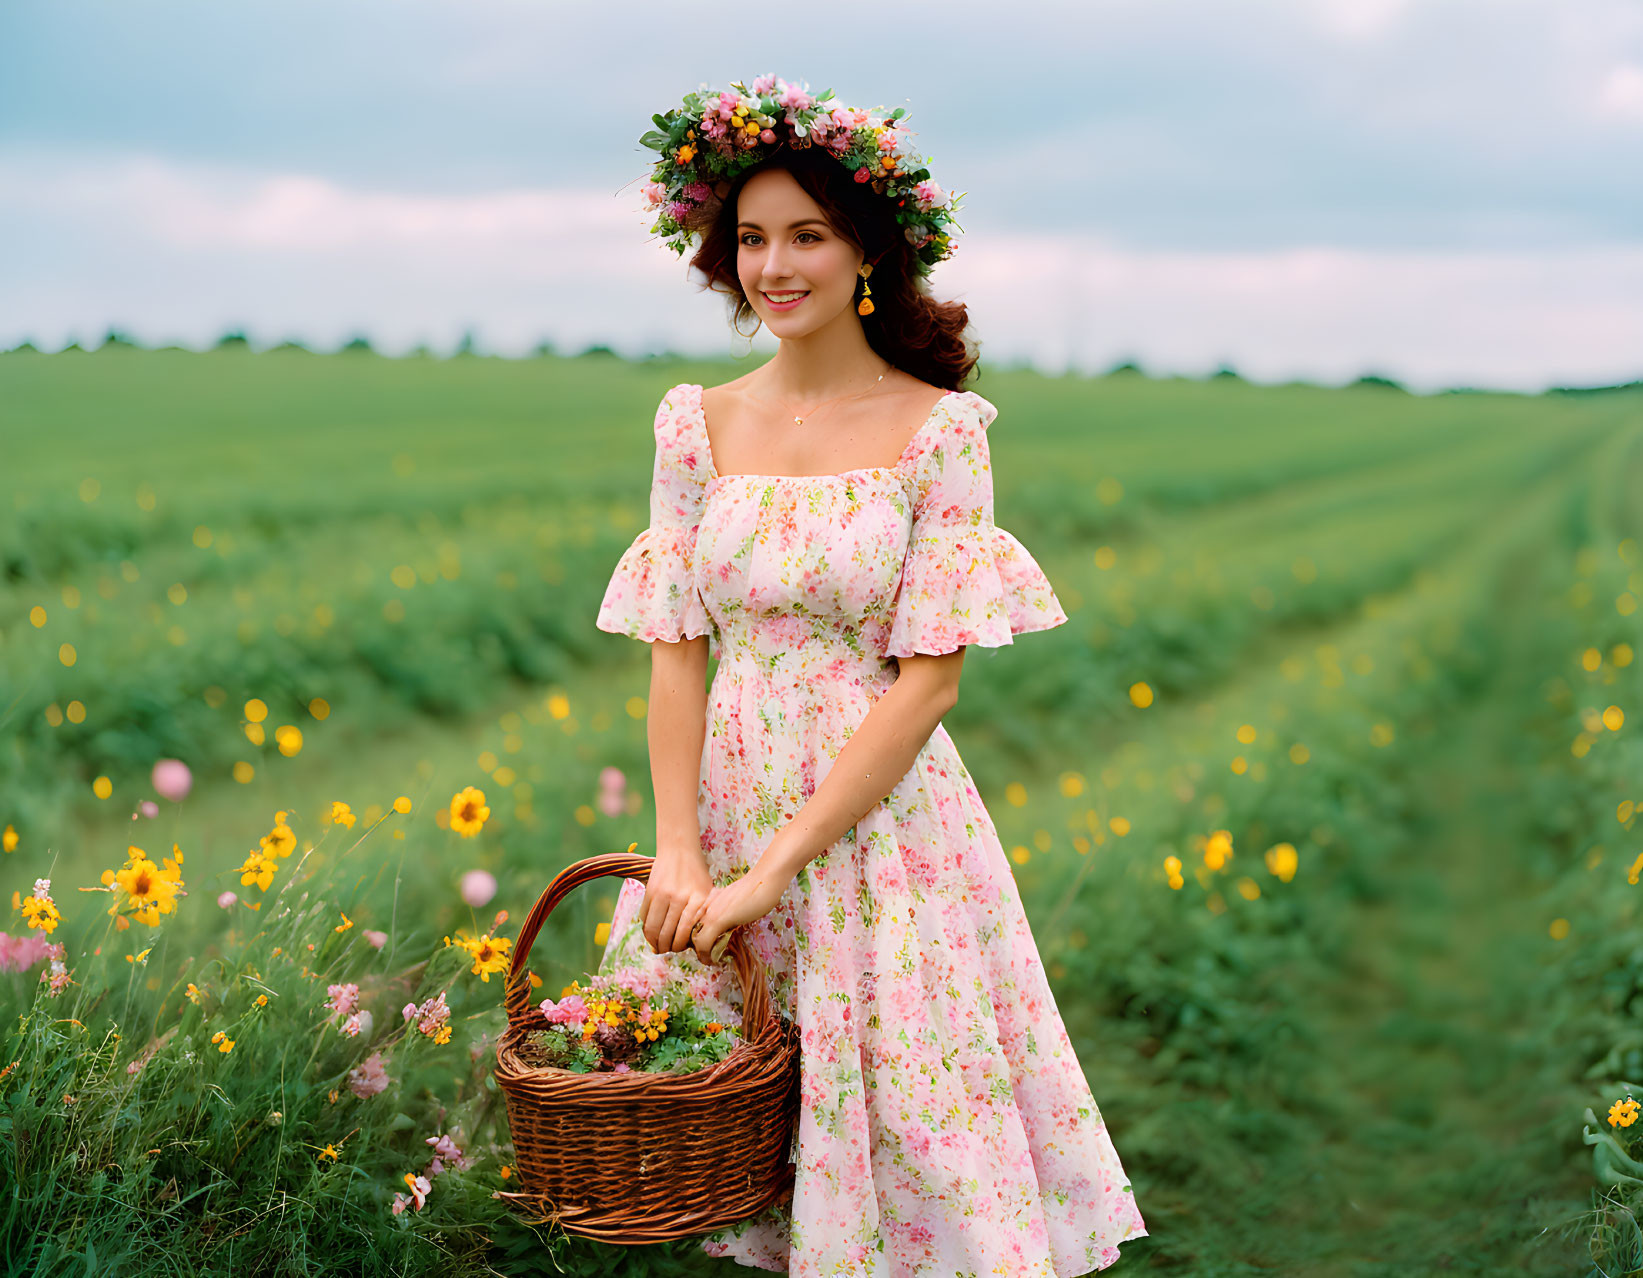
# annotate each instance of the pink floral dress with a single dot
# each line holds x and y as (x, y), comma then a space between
(946, 1125)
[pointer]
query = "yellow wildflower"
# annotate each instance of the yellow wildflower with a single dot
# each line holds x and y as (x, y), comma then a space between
(344, 925)
(1623, 1113)
(262, 1000)
(40, 910)
(330, 1151)
(8, 840)
(149, 889)
(468, 812)
(193, 993)
(258, 869)
(402, 804)
(280, 840)
(342, 814)
(490, 954)
(442, 1035)
(223, 1042)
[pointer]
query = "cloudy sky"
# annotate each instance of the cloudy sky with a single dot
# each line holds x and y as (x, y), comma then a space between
(1445, 191)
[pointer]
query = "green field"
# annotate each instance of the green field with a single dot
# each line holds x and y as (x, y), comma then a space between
(1381, 631)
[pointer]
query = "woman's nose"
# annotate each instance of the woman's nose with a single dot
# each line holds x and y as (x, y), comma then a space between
(775, 264)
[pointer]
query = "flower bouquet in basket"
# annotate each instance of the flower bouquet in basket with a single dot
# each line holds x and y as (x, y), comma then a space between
(609, 1025)
(636, 1117)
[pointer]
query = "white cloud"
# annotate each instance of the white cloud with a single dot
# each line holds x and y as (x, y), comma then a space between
(1360, 19)
(1621, 95)
(173, 252)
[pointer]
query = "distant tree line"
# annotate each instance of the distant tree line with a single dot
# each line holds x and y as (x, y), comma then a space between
(468, 347)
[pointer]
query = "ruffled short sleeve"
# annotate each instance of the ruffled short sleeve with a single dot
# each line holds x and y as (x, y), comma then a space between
(652, 594)
(965, 580)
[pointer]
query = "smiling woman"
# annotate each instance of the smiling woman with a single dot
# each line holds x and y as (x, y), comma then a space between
(797, 223)
(834, 546)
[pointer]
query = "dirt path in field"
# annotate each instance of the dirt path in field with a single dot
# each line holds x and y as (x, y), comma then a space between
(1467, 1140)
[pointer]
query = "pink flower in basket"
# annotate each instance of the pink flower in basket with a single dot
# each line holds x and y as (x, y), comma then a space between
(571, 1010)
(643, 981)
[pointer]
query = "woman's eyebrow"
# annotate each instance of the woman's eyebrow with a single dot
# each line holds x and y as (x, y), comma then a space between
(808, 221)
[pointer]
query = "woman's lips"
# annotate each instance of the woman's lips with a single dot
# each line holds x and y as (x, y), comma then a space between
(784, 306)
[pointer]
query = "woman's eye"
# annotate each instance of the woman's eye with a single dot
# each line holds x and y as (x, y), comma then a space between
(751, 236)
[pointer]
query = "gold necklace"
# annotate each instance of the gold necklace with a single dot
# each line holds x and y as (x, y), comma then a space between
(799, 421)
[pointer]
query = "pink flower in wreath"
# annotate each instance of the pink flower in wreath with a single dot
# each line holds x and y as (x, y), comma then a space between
(929, 194)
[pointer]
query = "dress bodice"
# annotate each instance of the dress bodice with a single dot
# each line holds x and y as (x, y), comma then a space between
(798, 577)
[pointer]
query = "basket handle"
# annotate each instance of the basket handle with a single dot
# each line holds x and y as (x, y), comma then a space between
(626, 865)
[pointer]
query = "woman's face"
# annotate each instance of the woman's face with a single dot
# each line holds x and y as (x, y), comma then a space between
(784, 245)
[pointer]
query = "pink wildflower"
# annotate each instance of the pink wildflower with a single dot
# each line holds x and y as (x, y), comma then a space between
(376, 939)
(419, 1189)
(226, 900)
(343, 1000)
(367, 1079)
(171, 779)
(478, 887)
(19, 953)
(58, 972)
(445, 1151)
(431, 1015)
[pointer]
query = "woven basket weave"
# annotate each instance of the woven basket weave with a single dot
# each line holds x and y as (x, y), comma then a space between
(638, 1157)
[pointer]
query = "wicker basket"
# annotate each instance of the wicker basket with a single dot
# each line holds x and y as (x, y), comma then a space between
(638, 1157)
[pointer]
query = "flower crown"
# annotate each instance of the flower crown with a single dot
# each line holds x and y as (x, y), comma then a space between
(715, 136)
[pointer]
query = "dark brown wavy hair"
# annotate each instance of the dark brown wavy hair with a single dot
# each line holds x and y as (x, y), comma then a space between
(908, 327)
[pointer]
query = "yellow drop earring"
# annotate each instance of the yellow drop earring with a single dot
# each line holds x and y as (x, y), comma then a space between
(865, 306)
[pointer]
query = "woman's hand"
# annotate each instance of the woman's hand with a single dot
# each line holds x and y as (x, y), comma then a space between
(674, 897)
(750, 897)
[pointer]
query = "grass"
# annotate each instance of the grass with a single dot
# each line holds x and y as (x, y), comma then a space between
(1346, 623)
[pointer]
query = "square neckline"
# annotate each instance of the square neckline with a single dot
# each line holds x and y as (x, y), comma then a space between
(715, 477)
